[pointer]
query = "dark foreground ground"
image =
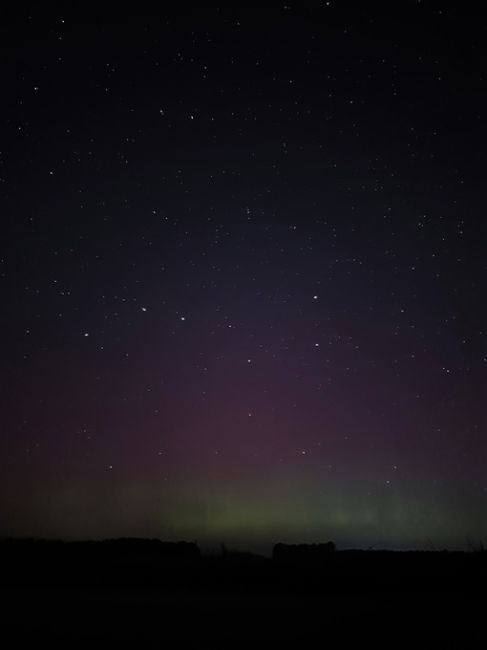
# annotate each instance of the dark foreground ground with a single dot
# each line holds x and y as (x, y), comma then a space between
(144, 594)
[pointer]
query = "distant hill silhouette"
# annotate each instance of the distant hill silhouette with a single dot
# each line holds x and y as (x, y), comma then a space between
(308, 553)
(123, 546)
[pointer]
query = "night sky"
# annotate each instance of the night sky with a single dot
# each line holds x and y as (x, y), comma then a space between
(243, 275)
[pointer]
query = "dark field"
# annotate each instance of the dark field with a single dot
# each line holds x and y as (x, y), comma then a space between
(144, 592)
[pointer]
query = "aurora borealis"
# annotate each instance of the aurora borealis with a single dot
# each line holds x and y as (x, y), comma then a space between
(243, 276)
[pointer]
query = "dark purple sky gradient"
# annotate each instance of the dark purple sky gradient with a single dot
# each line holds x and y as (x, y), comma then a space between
(243, 276)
